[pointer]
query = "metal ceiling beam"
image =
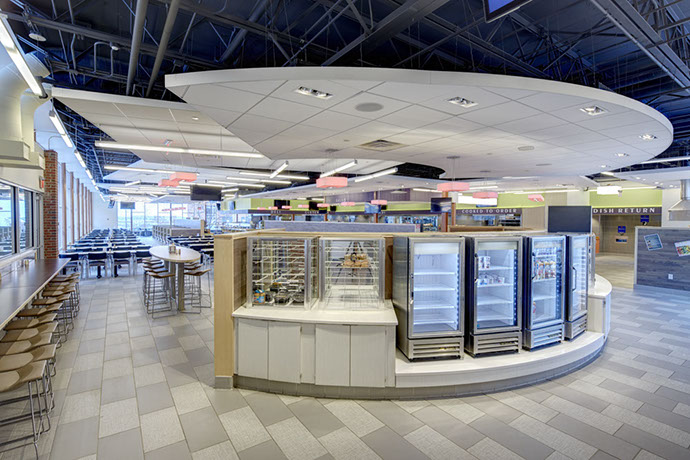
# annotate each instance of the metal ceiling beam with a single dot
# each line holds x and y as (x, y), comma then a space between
(642, 34)
(163, 44)
(239, 36)
(400, 19)
(137, 33)
(122, 42)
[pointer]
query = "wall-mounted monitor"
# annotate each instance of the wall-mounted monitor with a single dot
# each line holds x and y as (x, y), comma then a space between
(441, 204)
(494, 9)
(280, 203)
(371, 208)
(205, 193)
(126, 205)
(334, 208)
(569, 219)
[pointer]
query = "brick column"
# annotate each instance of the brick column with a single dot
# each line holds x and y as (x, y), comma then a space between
(50, 205)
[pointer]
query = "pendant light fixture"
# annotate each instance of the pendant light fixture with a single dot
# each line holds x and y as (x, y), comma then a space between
(453, 186)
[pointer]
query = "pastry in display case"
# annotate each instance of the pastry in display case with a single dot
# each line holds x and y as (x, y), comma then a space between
(352, 273)
(282, 272)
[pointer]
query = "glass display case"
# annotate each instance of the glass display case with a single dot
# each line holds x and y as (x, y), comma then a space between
(494, 300)
(282, 272)
(352, 273)
(428, 295)
(543, 291)
(578, 264)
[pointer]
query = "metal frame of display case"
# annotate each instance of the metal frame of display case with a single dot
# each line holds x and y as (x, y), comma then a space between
(501, 339)
(324, 259)
(308, 245)
(433, 344)
(547, 332)
(576, 324)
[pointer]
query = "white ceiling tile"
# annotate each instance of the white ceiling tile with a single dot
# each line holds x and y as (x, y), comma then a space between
(280, 109)
(264, 87)
(559, 131)
(451, 126)
(482, 97)
(339, 93)
(414, 116)
(411, 92)
(99, 119)
(142, 111)
(534, 123)
(501, 113)
(511, 93)
(187, 117)
(613, 121)
(548, 102)
(249, 122)
(334, 120)
(222, 97)
(221, 116)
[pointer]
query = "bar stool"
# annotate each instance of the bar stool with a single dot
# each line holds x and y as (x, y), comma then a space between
(196, 293)
(33, 375)
(28, 323)
(65, 312)
(158, 291)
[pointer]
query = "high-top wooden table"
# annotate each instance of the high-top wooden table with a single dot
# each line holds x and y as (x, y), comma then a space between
(18, 288)
(186, 255)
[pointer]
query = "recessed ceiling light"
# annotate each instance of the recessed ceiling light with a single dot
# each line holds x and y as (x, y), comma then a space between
(648, 137)
(303, 90)
(462, 102)
(622, 155)
(605, 166)
(543, 164)
(168, 142)
(593, 110)
(608, 173)
(195, 118)
(37, 36)
(525, 148)
(637, 178)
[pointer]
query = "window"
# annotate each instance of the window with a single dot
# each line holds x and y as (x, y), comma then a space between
(6, 221)
(25, 219)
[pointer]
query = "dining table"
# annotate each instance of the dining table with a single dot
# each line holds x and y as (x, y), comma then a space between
(19, 287)
(176, 260)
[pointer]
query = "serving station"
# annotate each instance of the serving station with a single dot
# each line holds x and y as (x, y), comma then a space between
(362, 315)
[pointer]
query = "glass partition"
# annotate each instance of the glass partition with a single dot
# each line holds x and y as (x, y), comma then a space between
(6, 221)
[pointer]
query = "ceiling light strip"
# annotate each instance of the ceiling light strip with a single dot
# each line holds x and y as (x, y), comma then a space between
(349, 165)
(9, 41)
(279, 176)
(166, 149)
(385, 172)
(279, 170)
(665, 160)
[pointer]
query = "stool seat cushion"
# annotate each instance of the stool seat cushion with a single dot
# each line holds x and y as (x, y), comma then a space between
(161, 275)
(31, 312)
(46, 301)
(30, 322)
(198, 272)
(8, 380)
(44, 352)
(12, 348)
(21, 334)
(31, 372)
(15, 362)
(47, 328)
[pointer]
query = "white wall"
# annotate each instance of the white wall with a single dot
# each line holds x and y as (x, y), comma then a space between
(669, 197)
(103, 216)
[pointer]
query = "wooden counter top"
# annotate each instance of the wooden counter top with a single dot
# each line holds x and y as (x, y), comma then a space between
(19, 287)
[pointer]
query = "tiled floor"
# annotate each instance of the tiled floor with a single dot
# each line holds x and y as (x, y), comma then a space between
(617, 268)
(130, 388)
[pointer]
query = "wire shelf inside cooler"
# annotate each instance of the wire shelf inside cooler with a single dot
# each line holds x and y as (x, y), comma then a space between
(496, 285)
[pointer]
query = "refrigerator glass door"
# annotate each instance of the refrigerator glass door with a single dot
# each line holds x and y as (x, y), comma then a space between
(579, 277)
(435, 288)
(496, 264)
(547, 278)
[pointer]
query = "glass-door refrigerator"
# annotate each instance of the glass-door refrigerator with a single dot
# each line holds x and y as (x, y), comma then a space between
(577, 263)
(494, 294)
(428, 286)
(543, 299)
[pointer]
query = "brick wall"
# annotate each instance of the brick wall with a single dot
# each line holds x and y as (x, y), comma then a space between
(50, 206)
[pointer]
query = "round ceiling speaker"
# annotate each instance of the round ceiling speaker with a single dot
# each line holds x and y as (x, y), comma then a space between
(37, 36)
(368, 107)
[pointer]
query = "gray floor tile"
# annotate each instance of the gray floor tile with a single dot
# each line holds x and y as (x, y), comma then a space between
(177, 451)
(125, 445)
(495, 409)
(318, 420)
(166, 342)
(80, 382)
(664, 416)
(390, 445)
(202, 429)
(145, 357)
(199, 356)
(512, 439)
(91, 346)
(651, 443)
(180, 374)
(463, 435)
(152, 398)
(75, 440)
(594, 437)
(601, 455)
(268, 408)
(639, 395)
(263, 451)
(392, 415)
(225, 400)
(117, 389)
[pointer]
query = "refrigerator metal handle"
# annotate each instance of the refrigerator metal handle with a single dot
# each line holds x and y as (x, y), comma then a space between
(476, 267)
(574, 279)
(534, 274)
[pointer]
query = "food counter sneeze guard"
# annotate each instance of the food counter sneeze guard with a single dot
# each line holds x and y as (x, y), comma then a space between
(282, 272)
(352, 273)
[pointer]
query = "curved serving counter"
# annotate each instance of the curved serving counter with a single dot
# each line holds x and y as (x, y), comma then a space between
(352, 354)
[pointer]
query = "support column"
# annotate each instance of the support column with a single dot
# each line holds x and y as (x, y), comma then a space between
(63, 194)
(71, 207)
(50, 206)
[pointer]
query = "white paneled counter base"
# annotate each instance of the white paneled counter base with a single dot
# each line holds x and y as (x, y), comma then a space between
(325, 348)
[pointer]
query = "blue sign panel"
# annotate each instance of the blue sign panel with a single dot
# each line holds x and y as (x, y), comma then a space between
(644, 219)
(621, 229)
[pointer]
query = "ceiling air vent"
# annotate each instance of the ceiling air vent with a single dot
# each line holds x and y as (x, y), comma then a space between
(381, 145)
